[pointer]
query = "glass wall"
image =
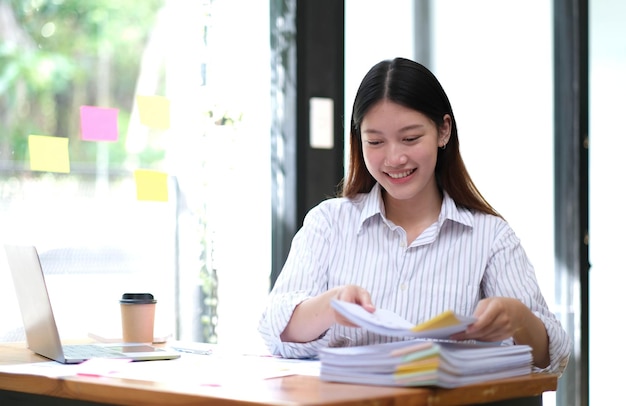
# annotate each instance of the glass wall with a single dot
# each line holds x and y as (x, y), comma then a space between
(69, 189)
(177, 94)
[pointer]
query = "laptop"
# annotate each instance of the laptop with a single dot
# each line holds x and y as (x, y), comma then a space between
(42, 335)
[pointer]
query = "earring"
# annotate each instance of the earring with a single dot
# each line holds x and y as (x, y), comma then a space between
(444, 147)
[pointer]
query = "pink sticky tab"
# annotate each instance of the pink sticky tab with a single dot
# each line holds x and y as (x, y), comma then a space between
(98, 123)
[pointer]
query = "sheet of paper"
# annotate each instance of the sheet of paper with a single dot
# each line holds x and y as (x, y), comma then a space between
(217, 370)
(50, 369)
(101, 366)
(189, 369)
(387, 323)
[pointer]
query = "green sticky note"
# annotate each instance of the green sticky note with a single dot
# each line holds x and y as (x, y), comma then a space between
(49, 154)
(151, 185)
(154, 111)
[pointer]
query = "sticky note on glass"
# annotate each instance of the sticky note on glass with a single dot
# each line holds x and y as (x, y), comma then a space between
(154, 111)
(151, 185)
(49, 154)
(98, 123)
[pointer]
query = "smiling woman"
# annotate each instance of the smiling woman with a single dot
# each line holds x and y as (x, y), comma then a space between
(498, 73)
(389, 236)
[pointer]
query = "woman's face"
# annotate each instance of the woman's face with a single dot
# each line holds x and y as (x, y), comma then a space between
(400, 149)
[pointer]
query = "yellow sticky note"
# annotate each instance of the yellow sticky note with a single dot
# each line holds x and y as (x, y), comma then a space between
(151, 185)
(154, 111)
(49, 154)
(445, 319)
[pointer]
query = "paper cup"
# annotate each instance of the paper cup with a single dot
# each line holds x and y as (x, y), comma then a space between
(138, 311)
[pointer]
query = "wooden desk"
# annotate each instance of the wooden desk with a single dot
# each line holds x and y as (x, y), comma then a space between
(287, 391)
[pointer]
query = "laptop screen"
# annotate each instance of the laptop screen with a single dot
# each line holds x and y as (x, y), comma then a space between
(41, 330)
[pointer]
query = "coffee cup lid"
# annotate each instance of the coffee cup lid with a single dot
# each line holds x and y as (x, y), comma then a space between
(137, 298)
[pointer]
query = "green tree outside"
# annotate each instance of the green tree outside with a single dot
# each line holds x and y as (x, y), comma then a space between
(58, 55)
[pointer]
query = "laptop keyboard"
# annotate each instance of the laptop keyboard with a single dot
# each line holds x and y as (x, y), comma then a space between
(87, 351)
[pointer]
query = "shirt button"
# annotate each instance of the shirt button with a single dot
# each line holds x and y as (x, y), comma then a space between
(403, 286)
(403, 244)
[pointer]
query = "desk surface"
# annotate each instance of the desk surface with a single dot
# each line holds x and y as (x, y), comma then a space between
(289, 390)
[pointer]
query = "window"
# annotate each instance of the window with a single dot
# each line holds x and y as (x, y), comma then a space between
(97, 238)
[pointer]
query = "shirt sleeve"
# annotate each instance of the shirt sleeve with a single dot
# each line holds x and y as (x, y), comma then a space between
(303, 276)
(510, 274)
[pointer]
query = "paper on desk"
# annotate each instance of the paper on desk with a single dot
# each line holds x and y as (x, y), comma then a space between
(51, 369)
(215, 370)
(189, 369)
(101, 366)
(211, 370)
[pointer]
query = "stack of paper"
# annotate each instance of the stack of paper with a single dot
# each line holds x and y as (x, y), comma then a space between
(426, 361)
(422, 362)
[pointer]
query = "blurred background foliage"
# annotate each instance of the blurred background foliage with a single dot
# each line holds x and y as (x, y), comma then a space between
(56, 55)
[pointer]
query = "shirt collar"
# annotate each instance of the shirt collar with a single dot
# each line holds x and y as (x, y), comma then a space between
(372, 205)
(450, 211)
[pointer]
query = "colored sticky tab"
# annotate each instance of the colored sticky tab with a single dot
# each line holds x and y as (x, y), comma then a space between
(154, 111)
(98, 123)
(101, 366)
(151, 185)
(445, 319)
(49, 154)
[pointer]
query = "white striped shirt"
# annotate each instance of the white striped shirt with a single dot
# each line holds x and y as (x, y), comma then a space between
(460, 259)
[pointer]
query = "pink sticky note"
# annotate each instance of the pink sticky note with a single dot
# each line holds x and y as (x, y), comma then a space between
(98, 123)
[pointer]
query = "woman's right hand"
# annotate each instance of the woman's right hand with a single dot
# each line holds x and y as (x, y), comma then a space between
(352, 294)
(315, 315)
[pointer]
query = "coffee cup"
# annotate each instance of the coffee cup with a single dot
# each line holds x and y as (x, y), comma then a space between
(138, 311)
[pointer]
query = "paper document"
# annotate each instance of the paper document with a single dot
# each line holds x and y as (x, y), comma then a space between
(420, 362)
(388, 323)
(217, 369)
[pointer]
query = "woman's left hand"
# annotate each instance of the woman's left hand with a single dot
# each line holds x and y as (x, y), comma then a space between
(498, 318)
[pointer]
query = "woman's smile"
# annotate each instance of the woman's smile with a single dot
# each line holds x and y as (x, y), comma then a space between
(401, 175)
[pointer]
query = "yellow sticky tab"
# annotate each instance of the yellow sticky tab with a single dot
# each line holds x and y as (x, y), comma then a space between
(445, 319)
(428, 364)
(49, 154)
(151, 185)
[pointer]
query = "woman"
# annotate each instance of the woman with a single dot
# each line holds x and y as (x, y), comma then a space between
(411, 234)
